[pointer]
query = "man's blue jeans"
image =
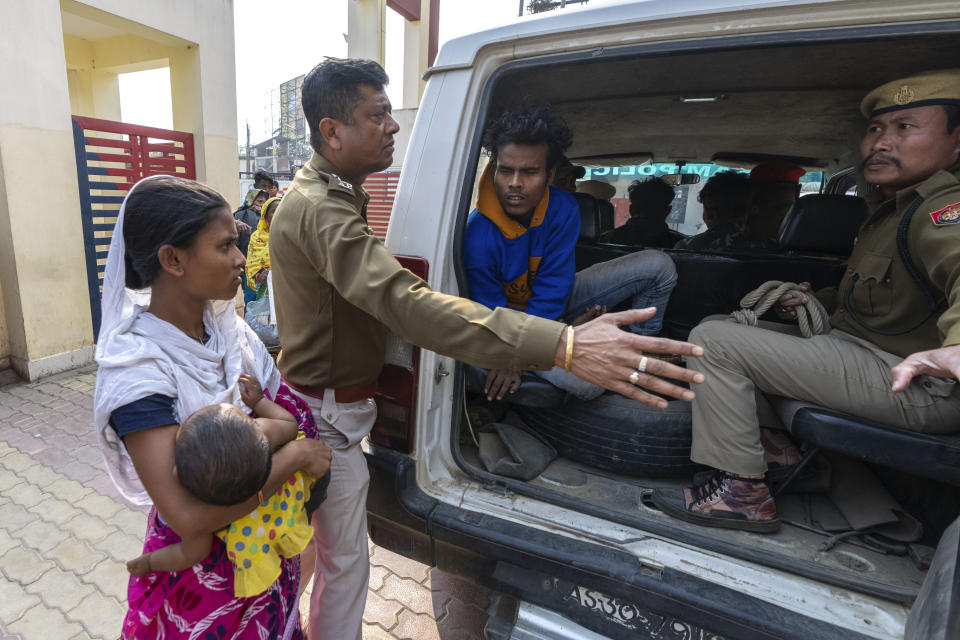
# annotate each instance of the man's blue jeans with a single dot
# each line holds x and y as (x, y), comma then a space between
(644, 279)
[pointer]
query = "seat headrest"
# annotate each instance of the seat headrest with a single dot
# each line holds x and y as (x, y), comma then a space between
(589, 217)
(823, 224)
(608, 215)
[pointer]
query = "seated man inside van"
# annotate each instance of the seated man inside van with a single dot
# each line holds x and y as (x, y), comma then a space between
(888, 357)
(519, 245)
(776, 186)
(649, 208)
(727, 198)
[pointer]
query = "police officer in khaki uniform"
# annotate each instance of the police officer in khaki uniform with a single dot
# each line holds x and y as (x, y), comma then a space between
(337, 290)
(894, 351)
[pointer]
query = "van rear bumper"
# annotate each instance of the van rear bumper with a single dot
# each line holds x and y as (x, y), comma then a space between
(603, 589)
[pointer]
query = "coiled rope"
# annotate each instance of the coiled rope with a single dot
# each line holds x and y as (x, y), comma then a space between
(811, 316)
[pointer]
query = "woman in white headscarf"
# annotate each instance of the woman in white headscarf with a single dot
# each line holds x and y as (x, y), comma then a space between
(170, 343)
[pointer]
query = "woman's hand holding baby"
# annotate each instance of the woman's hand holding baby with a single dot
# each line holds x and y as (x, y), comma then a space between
(250, 390)
(314, 456)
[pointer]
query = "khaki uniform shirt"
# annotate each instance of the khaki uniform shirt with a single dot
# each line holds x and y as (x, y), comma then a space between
(337, 290)
(884, 295)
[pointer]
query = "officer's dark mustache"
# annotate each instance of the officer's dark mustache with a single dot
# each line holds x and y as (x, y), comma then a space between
(879, 156)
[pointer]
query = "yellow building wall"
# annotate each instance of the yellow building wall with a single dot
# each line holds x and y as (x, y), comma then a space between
(45, 320)
(46, 312)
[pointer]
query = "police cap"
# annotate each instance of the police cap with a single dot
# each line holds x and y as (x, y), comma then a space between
(931, 88)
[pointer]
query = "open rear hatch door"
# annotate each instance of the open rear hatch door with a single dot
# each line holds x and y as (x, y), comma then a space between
(936, 613)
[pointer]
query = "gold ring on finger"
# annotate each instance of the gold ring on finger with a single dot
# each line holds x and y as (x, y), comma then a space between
(634, 378)
(642, 367)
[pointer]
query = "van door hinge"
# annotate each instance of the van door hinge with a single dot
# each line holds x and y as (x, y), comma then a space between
(441, 373)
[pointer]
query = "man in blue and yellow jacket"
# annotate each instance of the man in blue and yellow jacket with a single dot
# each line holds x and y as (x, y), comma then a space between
(520, 239)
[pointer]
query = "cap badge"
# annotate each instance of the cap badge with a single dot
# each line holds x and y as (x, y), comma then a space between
(947, 215)
(904, 95)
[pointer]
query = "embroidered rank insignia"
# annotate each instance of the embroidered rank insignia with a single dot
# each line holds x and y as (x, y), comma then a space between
(947, 215)
(343, 183)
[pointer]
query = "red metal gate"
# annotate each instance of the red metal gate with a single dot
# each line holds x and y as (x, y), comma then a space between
(111, 158)
(382, 188)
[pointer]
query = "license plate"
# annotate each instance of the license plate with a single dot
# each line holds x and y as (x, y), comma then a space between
(630, 616)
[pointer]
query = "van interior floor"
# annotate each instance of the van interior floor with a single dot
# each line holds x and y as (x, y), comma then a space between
(622, 499)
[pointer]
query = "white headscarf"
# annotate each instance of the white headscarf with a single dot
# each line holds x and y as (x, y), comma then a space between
(140, 355)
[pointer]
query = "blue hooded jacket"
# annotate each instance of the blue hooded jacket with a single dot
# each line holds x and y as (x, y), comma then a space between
(526, 268)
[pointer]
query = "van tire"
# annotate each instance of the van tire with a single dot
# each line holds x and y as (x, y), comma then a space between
(618, 434)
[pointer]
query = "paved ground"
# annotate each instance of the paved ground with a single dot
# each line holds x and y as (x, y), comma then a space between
(65, 533)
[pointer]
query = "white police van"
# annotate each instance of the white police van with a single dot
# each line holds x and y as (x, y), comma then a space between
(699, 81)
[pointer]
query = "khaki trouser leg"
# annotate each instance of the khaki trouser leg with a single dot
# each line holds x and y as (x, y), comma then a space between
(835, 370)
(340, 523)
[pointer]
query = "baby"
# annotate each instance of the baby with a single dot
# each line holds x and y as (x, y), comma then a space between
(223, 457)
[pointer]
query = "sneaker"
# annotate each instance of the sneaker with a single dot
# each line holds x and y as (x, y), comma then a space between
(724, 500)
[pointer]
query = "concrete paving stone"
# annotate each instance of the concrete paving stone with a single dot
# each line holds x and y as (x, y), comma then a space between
(14, 517)
(60, 590)
(55, 511)
(121, 546)
(26, 444)
(460, 620)
(103, 485)
(5, 448)
(380, 611)
(7, 542)
(31, 408)
(368, 632)
(100, 616)
(24, 391)
(54, 457)
(410, 593)
(83, 635)
(41, 622)
(40, 474)
(99, 506)
(42, 536)
(17, 461)
(464, 590)
(14, 601)
(23, 565)
(75, 555)
(412, 626)
(89, 528)
(377, 576)
(110, 578)
(27, 495)
(50, 388)
(68, 489)
(89, 454)
(79, 471)
(6, 412)
(132, 523)
(8, 479)
(403, 567)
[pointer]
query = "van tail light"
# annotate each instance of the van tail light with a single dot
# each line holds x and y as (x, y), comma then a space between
(396, 396)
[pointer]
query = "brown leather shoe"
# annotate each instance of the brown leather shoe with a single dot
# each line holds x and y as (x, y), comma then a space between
(724, 500)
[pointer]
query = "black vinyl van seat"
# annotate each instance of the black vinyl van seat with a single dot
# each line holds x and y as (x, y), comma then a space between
(823, 224)
(590, 228)
(931, 456)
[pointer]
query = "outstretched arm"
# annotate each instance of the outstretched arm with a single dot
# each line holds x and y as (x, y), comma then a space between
(190, 551)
